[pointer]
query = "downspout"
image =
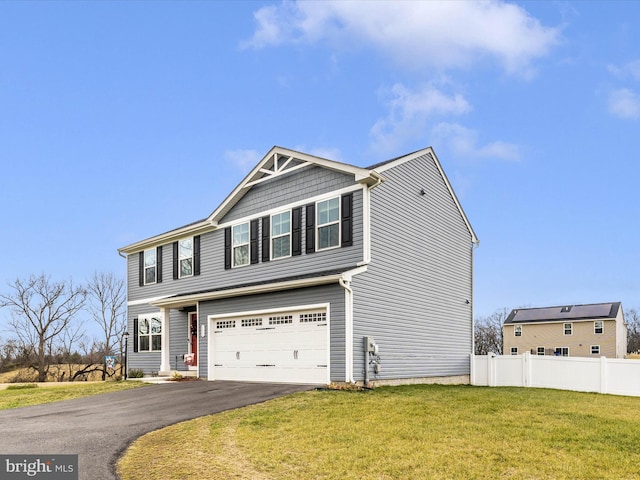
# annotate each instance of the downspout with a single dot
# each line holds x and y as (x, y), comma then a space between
(348, 328)
(367, 217)
(475, 244)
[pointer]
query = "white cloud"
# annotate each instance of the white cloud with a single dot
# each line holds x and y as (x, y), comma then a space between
(414, 34)
(624, 103)
(463, 142)
(409, 113)
(629, 69)
(243, 159)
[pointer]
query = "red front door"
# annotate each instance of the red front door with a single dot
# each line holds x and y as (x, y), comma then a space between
(193, 332)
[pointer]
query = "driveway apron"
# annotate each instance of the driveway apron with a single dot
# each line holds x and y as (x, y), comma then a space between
(99, 428)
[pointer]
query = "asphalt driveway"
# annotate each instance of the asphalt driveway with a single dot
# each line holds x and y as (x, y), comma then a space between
(101, 427)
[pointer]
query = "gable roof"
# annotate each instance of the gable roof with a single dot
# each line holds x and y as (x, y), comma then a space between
(394, 162)
(281, 161)
(563, 313)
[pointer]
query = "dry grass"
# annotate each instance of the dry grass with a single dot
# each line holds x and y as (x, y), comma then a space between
(45, 393)
(413, 432)
(55, 374)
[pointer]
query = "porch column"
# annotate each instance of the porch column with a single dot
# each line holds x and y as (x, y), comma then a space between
(165, 361)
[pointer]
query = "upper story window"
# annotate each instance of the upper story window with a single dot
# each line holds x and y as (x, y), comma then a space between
(517, 330)
(514, 350)
(568, 328)
(598, 327)
(150, 263)
(540, 351)
(328, 223)
(185, 257)
(240, 236)
(281, 235)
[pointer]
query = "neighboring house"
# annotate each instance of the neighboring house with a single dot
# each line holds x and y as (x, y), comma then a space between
(303, 259)
(595, 330)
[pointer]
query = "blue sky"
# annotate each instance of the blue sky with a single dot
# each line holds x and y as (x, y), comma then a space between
(122, 120)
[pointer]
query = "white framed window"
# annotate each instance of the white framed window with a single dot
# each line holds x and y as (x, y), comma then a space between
(185, 257)
(517, 330)
(567, 328)
(540, 351)
(150, 264)
(562, 351)
(281, 235)
(595, 349)
(240, 242)
(598, 327)
(514, 350)
(328, 223)
(149, 333)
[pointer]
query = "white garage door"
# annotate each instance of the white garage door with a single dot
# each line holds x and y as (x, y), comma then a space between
(274, 347)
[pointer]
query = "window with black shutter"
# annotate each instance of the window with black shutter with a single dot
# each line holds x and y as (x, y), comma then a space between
(347, 220)
(135, 335)
(196, 255)
(310, 228)
(266, 239)
(296, 231)
(227, 248)
(253, 247)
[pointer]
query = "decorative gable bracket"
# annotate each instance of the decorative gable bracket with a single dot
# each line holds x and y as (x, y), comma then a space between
(276, 166)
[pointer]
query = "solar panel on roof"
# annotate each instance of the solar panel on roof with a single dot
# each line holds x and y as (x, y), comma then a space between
(561, 313)
(601, 310)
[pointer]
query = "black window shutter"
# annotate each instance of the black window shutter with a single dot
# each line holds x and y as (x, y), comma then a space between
(175, 260)
(266, 239)
(310, 226)
(296, 231)
(227, 248)
(159, 264)
(196, 255)
(135, 335)
(347, 220)
(141, 269)
(253, 241)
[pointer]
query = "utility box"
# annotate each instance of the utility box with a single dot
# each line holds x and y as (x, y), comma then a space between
(369, 344)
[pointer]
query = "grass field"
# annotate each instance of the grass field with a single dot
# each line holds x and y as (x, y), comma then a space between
(412, 432)
(33, 394)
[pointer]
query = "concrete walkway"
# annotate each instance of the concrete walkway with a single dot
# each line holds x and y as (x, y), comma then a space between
(99, 428)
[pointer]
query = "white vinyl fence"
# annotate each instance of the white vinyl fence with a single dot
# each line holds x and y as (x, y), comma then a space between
(602, 375)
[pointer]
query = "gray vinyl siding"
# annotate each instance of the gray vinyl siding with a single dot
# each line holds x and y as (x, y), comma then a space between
(332, 294)
(291, 188)
(213, 275)
(413, 298)
(148, 362)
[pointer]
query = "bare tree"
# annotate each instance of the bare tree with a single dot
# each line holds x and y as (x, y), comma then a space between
(488, 332)
(41, 310)
(67, 353)
(632, 319)
(107, 307)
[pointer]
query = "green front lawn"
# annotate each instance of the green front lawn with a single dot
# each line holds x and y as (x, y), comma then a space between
(411, 432)
(33, 394)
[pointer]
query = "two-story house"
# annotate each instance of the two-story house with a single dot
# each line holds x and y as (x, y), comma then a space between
(595, 330)
(304, 259)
